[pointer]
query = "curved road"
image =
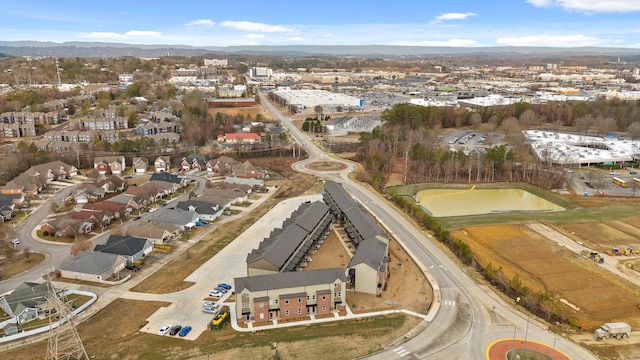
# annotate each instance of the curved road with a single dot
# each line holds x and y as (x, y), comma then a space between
(465, 317)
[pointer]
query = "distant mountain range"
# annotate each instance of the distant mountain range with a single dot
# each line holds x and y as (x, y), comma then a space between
(101, 49)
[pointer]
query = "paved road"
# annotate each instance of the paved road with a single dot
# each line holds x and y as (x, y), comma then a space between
(465, 317)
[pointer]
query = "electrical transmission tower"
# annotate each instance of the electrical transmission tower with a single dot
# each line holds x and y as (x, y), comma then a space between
(64, 341)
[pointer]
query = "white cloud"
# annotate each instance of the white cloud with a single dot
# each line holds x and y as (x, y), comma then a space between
(103, 35)
(202, 22)
(453, 16)
(590, 6)
(551, 41)
(253, 26)
(451, 43)
(296, 38)
(254, 36)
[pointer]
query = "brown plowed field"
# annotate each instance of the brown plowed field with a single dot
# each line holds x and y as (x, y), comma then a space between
(543, 265)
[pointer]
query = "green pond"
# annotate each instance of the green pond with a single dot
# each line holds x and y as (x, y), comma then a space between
(457, 202)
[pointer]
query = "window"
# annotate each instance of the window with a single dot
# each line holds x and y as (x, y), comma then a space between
(324, 297)
(286, 313)
(261, 305)
(299, 311)
(324, 308)
(308, 297)
(337, 294)
(286, 301)
(313, 296)
(275, 301)
(299, 300)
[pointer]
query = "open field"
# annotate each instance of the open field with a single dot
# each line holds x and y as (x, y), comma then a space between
(543, 265)
(251, 111)
(105, 338)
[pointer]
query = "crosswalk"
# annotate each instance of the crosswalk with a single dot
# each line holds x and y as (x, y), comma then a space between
(449, 303)
(402, 352)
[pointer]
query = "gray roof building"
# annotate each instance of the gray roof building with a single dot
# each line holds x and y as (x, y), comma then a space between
(91, 262)
(289, 279)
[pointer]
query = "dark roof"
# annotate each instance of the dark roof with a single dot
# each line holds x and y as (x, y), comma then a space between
(201, 207)
(294, 295)
(371, 252)
(122, 245)
(366, 227)
(289, 279)
(279, 247)
(163, 176)
(308, 215)
(339, 195)
(27, 295)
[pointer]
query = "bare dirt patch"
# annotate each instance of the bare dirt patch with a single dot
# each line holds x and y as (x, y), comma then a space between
(252, 111)
(542, 265)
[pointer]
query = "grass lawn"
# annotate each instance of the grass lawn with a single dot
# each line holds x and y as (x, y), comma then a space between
(113, 333)
(19, 263)
(171, 277)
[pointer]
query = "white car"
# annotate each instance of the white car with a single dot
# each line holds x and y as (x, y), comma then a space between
(215, 293)
(614, 173)
(153, 209)
(15, 241)
(164, 330)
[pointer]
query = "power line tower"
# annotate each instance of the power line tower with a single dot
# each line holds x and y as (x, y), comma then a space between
(64, 340)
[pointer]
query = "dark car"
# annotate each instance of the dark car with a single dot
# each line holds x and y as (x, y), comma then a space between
(132, 267)
(175, 329)
(224, 286)
(136, 218)
(185, 330)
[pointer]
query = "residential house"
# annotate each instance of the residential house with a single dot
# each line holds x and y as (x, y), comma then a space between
(65, 226)
(25, 301)
(150, 194)
(113, 164)
(99, 219)
(289, 295)
(240, 138)
(181, 181)
(8, 205)
(140, 165)
(92, 266)
(130, 247)
(254, 183)
(160, 188)
(112, 208)
(205, 210)
(35, 179)
(88, 193)
(111, 184)
(247, 170)
(158, 233)
(133, 201)
(162, 164)
(239, 188)
(234, 197)
(182, 219)
(224, 165)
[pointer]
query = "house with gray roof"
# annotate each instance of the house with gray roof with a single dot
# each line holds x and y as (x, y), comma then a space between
(286, 249)
(130, 247)
(289, 295)
(369, 267)
(26, 301)
(248, 181)
(206, 210)
(182, 219)
(92, 266)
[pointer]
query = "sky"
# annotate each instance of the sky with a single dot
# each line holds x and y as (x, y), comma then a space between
(455, 23)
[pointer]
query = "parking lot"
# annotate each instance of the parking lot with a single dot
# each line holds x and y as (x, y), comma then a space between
(186, 305)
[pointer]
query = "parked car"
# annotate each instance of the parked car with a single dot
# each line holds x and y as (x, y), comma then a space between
(175, 329)
(185, 330)
(163, 204)
(132, 267)
(220, 289)
(163, 330)
(210, 309)
(153, 209)
(633, 172)
(215, 293)
(136, 218)
(224, 286)
(209, 303)
(614, 173)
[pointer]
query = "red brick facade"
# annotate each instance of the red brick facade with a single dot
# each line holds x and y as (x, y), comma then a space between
(293, 306)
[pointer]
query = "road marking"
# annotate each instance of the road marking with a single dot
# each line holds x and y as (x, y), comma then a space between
(402, 352)
(450, 302)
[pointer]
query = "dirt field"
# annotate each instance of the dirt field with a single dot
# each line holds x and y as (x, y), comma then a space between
(604, 236)
(245, 111)
(543, 265)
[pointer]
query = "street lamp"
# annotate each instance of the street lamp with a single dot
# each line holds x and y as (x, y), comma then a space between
(526, 332)
(513, 342)
(553, 352)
